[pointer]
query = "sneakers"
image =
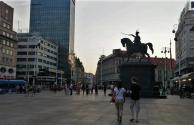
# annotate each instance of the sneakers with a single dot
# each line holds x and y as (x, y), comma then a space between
(131, 120)
(120, 119)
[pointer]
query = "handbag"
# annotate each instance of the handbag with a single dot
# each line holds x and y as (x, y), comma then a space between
(112, 99)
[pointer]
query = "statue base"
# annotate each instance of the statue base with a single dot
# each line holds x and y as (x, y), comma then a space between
(143, 70)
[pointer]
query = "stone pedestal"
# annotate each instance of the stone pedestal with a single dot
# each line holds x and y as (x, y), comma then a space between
(145, 73)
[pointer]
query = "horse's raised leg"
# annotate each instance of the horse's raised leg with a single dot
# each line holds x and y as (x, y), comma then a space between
(148, 56)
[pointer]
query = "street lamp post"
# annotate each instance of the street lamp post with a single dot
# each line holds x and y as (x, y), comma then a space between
(101, 71)
(165, 50)
(27, 66)
(56, 72)
(61, 78)
(36, 61)
(179, 59)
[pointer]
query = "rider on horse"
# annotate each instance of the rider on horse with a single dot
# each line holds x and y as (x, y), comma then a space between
(137, 39)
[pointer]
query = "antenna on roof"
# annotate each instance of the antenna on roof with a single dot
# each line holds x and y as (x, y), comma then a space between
(19, 30)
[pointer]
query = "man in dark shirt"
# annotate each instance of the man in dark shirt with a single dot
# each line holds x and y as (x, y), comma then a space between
(135, 97)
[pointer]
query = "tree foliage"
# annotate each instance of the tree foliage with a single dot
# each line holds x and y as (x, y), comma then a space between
(79, 64)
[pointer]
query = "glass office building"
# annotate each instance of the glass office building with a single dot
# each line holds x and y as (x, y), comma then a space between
(54, 20)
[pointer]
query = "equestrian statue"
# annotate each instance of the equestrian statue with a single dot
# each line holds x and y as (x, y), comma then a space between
(136, 47)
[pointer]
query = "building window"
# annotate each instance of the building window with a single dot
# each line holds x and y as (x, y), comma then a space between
(31, 72)
(11, 52)
(22, 46)
(31, 53)
(7, 60)
(21, 73)
(11, 44)
(21, 53)
(44, 61)
(3, 33)
(7, 11)
(7, 43)
(4, 24)
(3, 50)
(40, 54)
(3, 58)
(7, 52)
(20, 66)
(23, 39)
(21, 59)
(31, 59)
(39, 66)
(8, 27)
(4, 42)
(31, 66)
(10, 61)
(31, 46)
(39, 60)
(7, 34)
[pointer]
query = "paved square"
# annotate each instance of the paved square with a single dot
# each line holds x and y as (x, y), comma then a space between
(47, 108)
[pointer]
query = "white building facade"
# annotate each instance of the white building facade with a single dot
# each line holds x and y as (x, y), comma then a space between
(184, 39)
(36, 59)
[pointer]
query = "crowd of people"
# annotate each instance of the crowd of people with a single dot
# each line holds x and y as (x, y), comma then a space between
(86, 89)
(28, 89)
(69, 89)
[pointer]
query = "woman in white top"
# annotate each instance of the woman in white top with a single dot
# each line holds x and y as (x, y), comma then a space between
(119, 95)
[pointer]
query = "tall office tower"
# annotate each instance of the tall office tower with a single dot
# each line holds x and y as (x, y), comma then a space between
(54, 20)
(7, 43)
(184, 38)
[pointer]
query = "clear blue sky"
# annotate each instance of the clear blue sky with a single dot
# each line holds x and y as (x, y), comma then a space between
(99, 24)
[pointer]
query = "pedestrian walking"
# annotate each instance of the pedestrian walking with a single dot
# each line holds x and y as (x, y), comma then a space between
(182, 90)
(83, 88)
(135, 98)
(105, 87)
(119, 95)
(189, 90)
(78, 88)
(92, 88)
(96, 89)
(28, 90)
(33, 90)
(87, 89)
(71, 89)
(65, 88)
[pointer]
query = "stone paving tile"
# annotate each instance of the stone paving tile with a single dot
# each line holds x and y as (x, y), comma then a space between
(47, 108)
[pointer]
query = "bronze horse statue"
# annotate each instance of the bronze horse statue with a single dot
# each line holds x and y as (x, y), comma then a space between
(140, 48)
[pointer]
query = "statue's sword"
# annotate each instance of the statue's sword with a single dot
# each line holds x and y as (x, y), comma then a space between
(125, 34)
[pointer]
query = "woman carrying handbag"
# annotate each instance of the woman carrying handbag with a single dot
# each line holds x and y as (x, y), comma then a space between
(119, 99)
